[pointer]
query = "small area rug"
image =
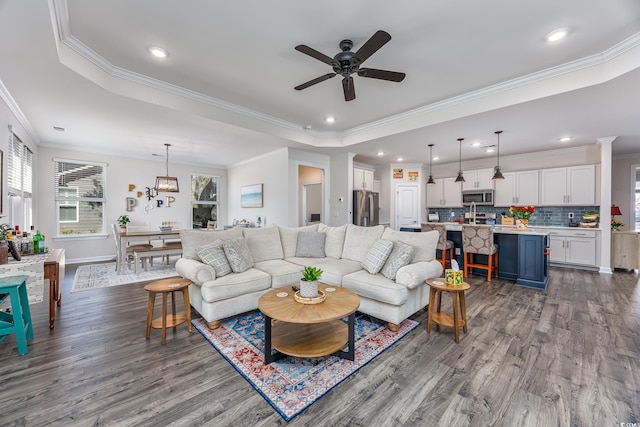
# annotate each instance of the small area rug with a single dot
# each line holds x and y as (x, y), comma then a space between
(95, 276)
(292, 384)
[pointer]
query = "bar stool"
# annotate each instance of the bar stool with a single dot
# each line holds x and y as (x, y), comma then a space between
(443, 245)
(19, 320)
(478, 239)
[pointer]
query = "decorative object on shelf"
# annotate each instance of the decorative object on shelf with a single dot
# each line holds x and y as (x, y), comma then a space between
(167, 184)
(498, 172)
(251, 196)
(460, 179)
(522, 214)
(123, 220)
(430, 181)
(309, 282)
(615, 224)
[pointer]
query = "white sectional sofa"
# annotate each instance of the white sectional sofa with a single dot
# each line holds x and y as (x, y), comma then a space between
(273, 252)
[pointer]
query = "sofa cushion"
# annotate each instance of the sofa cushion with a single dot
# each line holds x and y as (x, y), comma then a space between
(235, 284)
(193, 239)
(289, 238)
(238, 254)
(310, 244)
(358, 240)
(303, 261)
(282, 273)
(334, 244)
(213, 255)
(264, 243)
(376, 287)
(400, 256)
(377, 256)
(333, 271)
(424, 244)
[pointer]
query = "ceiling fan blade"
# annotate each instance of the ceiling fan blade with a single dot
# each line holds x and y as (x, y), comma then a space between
(314, 81)
(392, 76)
(315, 54)
(379, 39)
(349, 89)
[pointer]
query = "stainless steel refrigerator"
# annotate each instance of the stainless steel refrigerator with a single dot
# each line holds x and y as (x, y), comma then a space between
(365, 208)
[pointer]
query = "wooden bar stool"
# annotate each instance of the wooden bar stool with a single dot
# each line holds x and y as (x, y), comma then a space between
(165, 287)
(19, 320)
(443, 244)
(478, 239)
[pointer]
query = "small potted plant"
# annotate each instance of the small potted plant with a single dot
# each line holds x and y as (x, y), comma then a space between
(123, 220)
(615, 224)
(309, 282)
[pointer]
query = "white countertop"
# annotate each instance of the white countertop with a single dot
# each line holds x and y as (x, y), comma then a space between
(454, 226)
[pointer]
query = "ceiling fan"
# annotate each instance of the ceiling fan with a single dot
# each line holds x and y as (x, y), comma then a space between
(346, 63)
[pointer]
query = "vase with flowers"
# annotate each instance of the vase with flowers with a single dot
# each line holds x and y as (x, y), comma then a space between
(615, 224)
(522, 214)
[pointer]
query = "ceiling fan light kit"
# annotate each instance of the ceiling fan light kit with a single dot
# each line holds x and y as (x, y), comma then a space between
(498, 173)
(460, 179)
(167, 184)
(346, 63)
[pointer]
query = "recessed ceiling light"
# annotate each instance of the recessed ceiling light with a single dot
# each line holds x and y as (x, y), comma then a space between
(399, 159)
(330, 119)
(565, 139)
(556, 35)
(380, 153)
(436, 158)
(489, 150)
(475, 144)
(158, 52)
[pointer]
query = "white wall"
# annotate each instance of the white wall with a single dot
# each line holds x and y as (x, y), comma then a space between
(308, 175)
(272, 171)
(621, 189)
(341, 188)
(299, 158)
(121, 171)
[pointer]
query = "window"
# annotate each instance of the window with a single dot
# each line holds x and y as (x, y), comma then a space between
(19, 182)
(79, 196)
(204, 200)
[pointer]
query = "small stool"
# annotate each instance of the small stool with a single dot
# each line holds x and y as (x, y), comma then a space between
(19, 320)
(168, 286)
(455, 320)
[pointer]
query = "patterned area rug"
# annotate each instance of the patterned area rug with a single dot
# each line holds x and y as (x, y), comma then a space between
(95, 276)
(292, 384)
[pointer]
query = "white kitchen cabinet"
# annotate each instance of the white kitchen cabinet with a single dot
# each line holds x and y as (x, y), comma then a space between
(445, 193)
(478, 179)
(574, 185)
(517, 188)
(577, 247)
(377, 185)
(362, 179)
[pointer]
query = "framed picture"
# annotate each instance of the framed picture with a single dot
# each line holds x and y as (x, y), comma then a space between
(251, 196)
(398, 173)
(413, 176)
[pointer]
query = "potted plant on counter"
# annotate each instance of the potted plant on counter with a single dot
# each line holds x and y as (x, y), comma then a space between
(522, 214)
(123, 220)
(309, 282)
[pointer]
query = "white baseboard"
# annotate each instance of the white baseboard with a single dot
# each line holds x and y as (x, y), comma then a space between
(90, 260)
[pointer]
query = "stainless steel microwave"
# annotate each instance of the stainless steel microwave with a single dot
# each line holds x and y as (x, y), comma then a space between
(483, 197)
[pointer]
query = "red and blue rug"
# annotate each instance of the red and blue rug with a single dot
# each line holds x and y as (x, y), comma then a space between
(292, 384)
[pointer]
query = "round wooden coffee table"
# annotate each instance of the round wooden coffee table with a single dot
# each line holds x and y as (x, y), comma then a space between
(454, 320)
(165, 287)
(308, 330)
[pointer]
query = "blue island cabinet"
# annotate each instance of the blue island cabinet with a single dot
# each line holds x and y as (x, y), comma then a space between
(533, 260)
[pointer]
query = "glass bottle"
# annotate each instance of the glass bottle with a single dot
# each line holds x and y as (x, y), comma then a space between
(38, 243)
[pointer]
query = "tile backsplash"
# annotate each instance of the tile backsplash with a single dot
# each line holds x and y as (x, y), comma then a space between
(543, 216)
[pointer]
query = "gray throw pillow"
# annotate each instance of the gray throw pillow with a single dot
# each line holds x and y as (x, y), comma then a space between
(377, 256)
(238, 254)
(310, 244)
(400, 256)
(213, 255)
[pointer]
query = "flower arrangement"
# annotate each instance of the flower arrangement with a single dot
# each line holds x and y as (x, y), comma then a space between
(615, 224)
(522, 212)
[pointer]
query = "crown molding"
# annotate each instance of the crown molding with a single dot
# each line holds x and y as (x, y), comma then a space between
(17, 112)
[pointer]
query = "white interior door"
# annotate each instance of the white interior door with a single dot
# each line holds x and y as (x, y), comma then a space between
(407, 205)
(312, 203)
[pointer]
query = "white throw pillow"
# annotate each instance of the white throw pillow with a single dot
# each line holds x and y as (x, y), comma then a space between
(335, 239)
(310, 244)
(377, 256)
(400, 256)
(238, 254)
(213, 255)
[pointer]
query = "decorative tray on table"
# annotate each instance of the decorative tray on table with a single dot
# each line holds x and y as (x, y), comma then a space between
(317, 300)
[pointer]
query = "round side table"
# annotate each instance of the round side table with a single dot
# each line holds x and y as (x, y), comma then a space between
(165, 287)
(453, 320)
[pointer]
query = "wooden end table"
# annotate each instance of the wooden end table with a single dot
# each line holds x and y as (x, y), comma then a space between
(454, 320)
(308, 330)
(165, 287)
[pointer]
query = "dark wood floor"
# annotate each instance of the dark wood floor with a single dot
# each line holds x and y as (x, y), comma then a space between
(566, 356)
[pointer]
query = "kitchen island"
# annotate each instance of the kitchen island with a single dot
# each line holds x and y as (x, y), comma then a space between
(523, 255)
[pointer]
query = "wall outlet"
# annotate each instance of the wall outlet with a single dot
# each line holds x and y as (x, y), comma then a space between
(453, 215)
(570, 215)
(457, 251)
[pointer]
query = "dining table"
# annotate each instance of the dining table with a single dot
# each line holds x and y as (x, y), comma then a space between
(125, 238)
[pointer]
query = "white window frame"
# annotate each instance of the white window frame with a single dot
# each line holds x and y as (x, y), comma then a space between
(200, 202)
(70, 203)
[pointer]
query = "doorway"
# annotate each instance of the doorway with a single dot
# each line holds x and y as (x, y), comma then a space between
(311, 209)
(407, 206)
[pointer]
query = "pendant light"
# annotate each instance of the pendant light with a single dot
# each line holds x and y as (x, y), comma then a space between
(460, 178)
(167, 184)
(498, 173)
(430, 181)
